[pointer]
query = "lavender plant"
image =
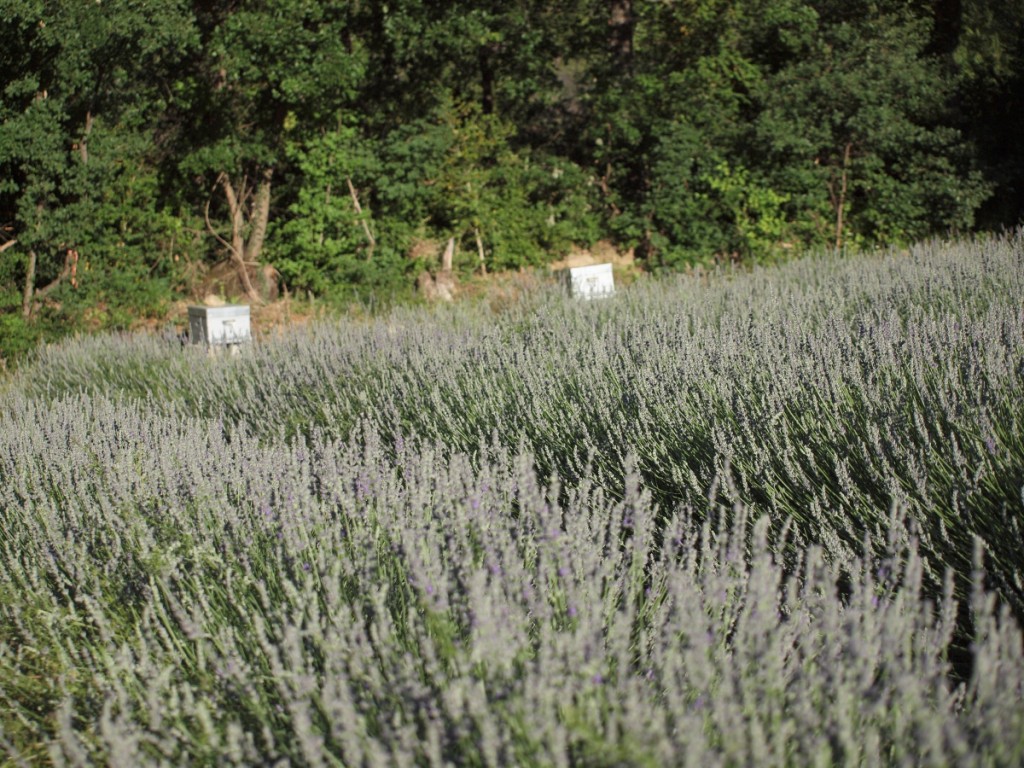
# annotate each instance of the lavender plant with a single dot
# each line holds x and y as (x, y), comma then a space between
(765, 518)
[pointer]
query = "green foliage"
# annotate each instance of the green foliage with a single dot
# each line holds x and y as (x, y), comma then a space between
(840, 116)
(686, 226)
(510, 203)
(411, 158)
(701, 207)
(454, 174)
(78, 166)
(694, 130)
(125, 260)
(989, 66)
(852, 132)
(755, 210)
(266, 70)
(326, 242)
(17, 338)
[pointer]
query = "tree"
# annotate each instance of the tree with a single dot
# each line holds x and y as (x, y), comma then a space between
(986, 46)
(836, 116)
(664, 125)
(327, 237)
(856, 131)
(328, 137)
(497, 54)
(266, 69)
(80, 86)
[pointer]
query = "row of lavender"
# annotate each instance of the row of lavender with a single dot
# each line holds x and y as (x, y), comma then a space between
(756, 519)
(829, 391)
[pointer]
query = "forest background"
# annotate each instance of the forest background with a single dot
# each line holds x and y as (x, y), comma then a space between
(333, 148)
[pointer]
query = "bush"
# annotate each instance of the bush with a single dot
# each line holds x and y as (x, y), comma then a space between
(18, 338)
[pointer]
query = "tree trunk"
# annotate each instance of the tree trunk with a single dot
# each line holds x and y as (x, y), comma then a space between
(260, 216)
(449, 255)
(359, 212)
(245, 251)
(32, 294)
(480, 251)
(839, 198)
(236, 248)
(83, 147)
(30, 285)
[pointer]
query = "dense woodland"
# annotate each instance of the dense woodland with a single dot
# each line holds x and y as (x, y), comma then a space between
(322, 146)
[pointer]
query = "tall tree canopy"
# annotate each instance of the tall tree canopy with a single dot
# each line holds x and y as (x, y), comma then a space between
(84, 85)
(323, 143)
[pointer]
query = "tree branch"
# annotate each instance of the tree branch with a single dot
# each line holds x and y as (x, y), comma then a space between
(32, 295)
(30, 284)
(239, 251)
(359, 213)
(259, 217)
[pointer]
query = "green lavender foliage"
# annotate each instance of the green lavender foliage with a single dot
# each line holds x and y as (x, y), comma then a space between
(768, 518)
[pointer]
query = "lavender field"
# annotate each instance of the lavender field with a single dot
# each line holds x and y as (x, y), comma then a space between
(769, 518)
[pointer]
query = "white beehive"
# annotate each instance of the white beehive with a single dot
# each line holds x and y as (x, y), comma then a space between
(215, 326)
(592, 282)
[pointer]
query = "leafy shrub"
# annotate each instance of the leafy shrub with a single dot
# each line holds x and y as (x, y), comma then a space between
(18, 338)
(453, 174)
